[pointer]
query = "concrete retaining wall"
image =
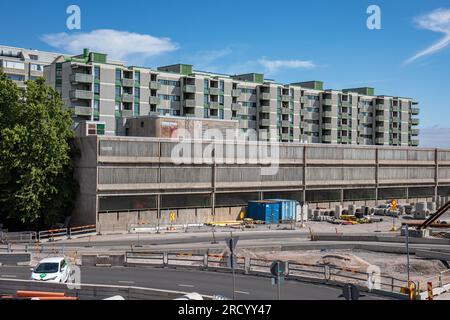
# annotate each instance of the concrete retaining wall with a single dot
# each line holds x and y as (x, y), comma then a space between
(14, 259)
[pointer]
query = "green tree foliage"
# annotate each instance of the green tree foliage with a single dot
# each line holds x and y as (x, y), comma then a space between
(36, 172)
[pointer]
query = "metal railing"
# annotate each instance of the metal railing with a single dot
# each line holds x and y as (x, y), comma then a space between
(50, 235)
(326, 273)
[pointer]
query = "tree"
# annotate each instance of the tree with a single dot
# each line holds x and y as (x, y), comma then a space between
(36, 148)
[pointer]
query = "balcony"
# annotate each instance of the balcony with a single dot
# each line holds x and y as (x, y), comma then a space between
(236, 93)
(154, 100)
(311, 127)
(380, 118)
(415, 111)
(380, 141)
(415, 122)
(304, 100)
(82, 111)
(285, 123)
(345, 104)
(395, 142)
(285, 111)
(285, 137)
(326, 126)
(81, 78)
(396, 119)
(189, 103)
(189, 89)
(265, 96)
(415, 132)
(414, 143)
(214, 91)
(247, 124)
(285, 98)
(327, 138)
(236, 106)
(365, 141)
(366, 131)
(81, 94)
(380, 107)
(127, 97)
(344, 128)
(214, 105)
(328, 114)
(329, 102)
(127, 83)
(264, 122)
(265, 109)
(309, 115)
(155, 85)
(127, 113)
(365, 119)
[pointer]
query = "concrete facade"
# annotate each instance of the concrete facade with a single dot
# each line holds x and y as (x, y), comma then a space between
(127, 180)
(21, 64)
(98, 89)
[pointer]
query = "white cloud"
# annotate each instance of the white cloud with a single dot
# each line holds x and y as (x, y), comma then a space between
(274, 65)
(435, 137)
(437, 21)
(121, 45)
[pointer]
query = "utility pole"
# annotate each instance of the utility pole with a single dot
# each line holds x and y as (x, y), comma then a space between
(407, 252)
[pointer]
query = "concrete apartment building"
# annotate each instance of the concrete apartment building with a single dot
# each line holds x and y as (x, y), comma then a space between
(99, 89)
(21, 64)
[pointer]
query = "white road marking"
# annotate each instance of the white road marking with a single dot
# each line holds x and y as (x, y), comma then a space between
(186, 285)
(243, 292)
(8, 276)
(126, 282)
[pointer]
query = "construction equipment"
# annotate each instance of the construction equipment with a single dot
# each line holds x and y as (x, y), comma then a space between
(435, 216)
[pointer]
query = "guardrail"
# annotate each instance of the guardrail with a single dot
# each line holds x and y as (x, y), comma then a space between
(246, 265)
(50, 235)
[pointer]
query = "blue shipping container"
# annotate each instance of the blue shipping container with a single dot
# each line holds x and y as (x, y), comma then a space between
(267, 211)
(288, 209)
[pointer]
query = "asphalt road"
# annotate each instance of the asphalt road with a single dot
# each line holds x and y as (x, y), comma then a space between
(207, 283)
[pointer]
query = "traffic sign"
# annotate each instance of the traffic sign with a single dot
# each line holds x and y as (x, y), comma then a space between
(278, 268)
(242, 215)
(394, 205)
(172, 217)
(231, 243)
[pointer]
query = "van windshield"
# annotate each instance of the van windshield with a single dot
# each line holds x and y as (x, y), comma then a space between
(47, 268)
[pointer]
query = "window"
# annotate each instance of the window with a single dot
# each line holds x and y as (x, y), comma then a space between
(16, 77)
(222, 85)
(63, 264)
(168, 97)
(118, 91)
(34, 57)
(221, 114)
(117, 106)
(118, 74)
(96, 88)
(37, 67)
(97, 73)
(248, 91)
(137, 93)
(13, 65)
(206, 83)
(205, 113)
(205, 99)
(169, 83)
(221, 100)
(97, 105)
(137, 109)
(137, 76)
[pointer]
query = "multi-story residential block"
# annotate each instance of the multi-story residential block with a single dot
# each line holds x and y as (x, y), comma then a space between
(21, 65)
(106, 91)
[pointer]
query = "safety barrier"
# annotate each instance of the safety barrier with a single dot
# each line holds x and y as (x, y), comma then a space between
(18, 237)
(295, 271)
(51, 235)
(83, 230)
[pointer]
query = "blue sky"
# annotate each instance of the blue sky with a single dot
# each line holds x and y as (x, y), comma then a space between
(289, 41)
